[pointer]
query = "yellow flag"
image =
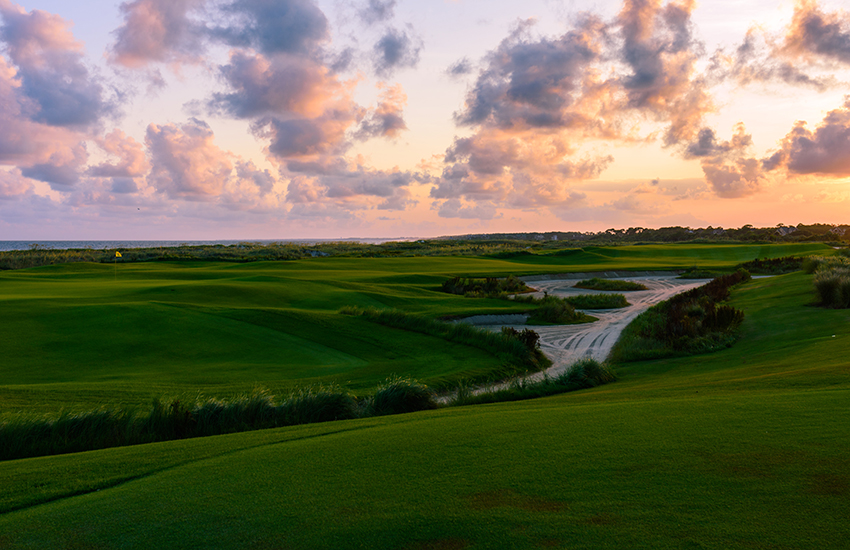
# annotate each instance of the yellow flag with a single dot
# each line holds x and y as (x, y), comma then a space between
(117, 254)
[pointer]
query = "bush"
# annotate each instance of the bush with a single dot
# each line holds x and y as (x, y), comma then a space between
(489, 287)
(529, 338)
(691, 322)
(584, 374)
(400, 395)
(598, 301)
(833, 288)
(587, 373)
(609, 284)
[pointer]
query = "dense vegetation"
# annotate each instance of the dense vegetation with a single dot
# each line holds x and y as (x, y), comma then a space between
(552, 310)
(518, 246)
(831, 279)
(597, 301)
(609, 284)
(487, 287)
(691, 322)
(774, 266)
(584, 374)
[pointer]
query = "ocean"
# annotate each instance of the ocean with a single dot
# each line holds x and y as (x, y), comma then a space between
(100, 245)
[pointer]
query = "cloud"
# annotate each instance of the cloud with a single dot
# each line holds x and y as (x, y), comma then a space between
(185, 162)
(461, 67)
(396, 49)
(13, 185)
(377, 11)
(728, 166)
(131, 157)
(387, 120)
(815, 34)
(739, 178)
(758, 59)
(282, 84)
(273, 26)
(353, 188)
(158, 31)
(454, 208)
(661, 52)
(54, 87)
(529, 83)
(825, 151)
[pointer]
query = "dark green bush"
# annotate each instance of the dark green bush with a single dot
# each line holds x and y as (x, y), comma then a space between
(691, 322)
(597, 301)
(400, 395)
(833, 287)
(609, 284)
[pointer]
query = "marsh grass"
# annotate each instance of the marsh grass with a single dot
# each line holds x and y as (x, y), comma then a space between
(400, 395)
(609, 284)
(583, 374)
(831, 279)
(598, 301)
(487, 287)
(23, 436)
(552, 310)
(689, 323)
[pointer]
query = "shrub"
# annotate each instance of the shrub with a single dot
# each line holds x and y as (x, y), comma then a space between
(529, 338)
(598, 301)
(400, 395)
(609, 284)
(833, 288)
(553, 310)
(489, 287)
(587, 373)
(690, 322)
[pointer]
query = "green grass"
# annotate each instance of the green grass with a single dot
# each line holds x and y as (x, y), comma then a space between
(84, 335)
(609, 284)
(597, 301)
(743, 448)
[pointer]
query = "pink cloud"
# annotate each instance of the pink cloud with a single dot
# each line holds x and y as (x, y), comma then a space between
(185, 162)
(158, 31)
(131, 157)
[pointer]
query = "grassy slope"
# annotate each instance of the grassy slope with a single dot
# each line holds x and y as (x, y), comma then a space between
(745, 448)
(83, 335)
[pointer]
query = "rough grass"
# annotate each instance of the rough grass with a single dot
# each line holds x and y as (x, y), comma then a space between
(609, 284)
(692, 322)
(598, 301)
(26, 435)
(583, 374)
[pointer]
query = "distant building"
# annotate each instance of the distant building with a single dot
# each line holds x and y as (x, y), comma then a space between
(783, 231)
(837, 230)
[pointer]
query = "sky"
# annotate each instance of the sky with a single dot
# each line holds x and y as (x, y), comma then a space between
(293, 119)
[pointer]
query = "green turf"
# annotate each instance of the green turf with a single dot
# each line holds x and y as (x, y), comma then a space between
(744, 448)
(83, 335)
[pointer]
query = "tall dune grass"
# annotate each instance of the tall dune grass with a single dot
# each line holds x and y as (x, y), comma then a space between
(24, 436)
(583, 374)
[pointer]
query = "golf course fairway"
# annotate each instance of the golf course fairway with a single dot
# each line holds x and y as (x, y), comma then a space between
(747, 447)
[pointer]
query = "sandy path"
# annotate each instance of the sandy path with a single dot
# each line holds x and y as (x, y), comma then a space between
(565, 344)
